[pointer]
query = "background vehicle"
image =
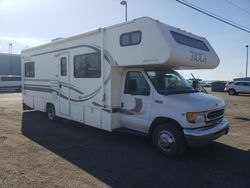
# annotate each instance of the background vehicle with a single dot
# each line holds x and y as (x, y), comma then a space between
(122, 78)
(10, 83)
(236, 87)
(206, 83)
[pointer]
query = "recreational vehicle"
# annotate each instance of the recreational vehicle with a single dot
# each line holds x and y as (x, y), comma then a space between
(10, 83)
(123, 78)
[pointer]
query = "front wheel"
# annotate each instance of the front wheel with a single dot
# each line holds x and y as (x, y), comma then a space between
(232, 92)
(169, 140)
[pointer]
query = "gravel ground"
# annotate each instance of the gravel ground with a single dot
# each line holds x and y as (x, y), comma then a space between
(37, 153)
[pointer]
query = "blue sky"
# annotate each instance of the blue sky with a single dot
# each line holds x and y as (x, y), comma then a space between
(33, 22)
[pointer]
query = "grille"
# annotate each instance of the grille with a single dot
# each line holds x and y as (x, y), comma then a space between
(213, 122)
(215, 114)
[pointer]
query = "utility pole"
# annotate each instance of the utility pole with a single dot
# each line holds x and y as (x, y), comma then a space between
(126, 9)
(10, 48)
(247, 61)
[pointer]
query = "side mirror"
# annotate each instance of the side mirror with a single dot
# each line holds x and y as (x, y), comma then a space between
(195, 85)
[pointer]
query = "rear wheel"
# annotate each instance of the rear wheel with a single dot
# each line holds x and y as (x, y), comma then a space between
(19, 89)
(168, 139)
(232, 92)
(51, 113)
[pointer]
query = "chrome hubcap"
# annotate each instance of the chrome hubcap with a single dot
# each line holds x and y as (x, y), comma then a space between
(165, 140)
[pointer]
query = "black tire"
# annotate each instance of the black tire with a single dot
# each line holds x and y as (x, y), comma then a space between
(51, 113)
(232, 92)
(172, 133)
(19, 89)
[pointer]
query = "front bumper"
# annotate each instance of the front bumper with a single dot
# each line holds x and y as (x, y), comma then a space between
(204, 135)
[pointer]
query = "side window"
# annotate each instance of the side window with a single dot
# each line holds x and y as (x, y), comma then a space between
(125, 40)
(135, 38)
(131, 38)
(93, 65)
(239, 84)
(80, 66)
(136, 84)
(189, 41)
(63, 66)
(29, 69)
(246, 84)
(87, 65)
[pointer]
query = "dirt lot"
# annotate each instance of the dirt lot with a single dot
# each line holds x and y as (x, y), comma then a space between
(37, 153)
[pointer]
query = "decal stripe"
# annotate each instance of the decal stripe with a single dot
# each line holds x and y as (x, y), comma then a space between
(133, 111)
(136, 110)
(138, 105)
(72, 87)
(47, 90)
(50, 90)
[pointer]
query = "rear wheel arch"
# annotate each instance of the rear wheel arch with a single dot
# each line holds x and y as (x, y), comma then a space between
(48, 104)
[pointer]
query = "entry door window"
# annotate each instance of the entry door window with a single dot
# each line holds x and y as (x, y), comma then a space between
(136, 84)
(63, 66)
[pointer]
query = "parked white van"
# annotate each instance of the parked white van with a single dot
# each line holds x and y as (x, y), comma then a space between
(10, 83)
(123, 78)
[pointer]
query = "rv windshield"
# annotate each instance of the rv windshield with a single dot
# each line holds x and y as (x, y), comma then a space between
(169, 82)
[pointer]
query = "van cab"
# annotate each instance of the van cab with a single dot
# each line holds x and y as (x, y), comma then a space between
(161, 103)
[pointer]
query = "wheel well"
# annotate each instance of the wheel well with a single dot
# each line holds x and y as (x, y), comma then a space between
(49, 104)
(232, 89)
(161, 120)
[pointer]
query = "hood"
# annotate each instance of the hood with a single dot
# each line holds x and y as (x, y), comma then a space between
(196, 102)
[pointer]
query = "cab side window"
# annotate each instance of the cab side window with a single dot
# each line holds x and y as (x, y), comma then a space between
(136, 84)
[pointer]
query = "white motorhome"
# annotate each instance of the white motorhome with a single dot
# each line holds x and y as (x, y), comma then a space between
(122, 78)
(10, 83)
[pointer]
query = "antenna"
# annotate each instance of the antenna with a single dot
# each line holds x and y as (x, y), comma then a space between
(10, 48)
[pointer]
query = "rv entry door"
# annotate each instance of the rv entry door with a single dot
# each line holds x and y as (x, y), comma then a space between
(64, 84)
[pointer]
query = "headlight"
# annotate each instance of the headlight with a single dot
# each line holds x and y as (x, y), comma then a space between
(196, 117)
